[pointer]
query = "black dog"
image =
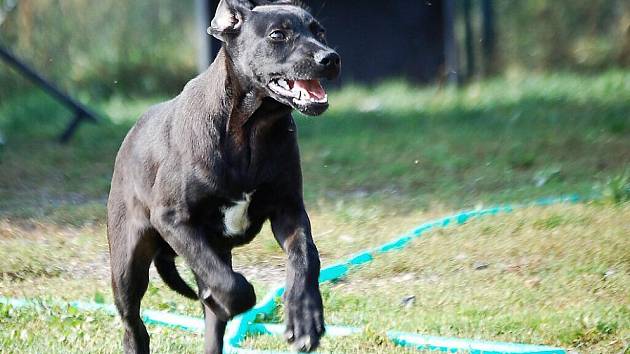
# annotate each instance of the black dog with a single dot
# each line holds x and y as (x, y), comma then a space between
(200, 174)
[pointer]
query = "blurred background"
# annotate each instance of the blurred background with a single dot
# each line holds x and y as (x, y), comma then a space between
(151, 47)
(442, 105)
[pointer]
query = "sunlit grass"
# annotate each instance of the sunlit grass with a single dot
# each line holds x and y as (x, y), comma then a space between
(558, 276)
(381, 161)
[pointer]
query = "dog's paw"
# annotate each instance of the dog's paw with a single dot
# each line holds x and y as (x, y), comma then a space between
(304, 319)
(230, 300)
(242, 296)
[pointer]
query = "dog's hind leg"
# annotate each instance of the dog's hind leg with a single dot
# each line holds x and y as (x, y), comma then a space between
(132, 247)
(214, 332)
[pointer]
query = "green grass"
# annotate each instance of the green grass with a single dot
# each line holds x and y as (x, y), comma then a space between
(382, 160)
(558, 276)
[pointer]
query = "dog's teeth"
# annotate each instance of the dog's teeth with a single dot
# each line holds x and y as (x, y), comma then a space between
(321, 100)
(274, 87)
(284, 84)
(299, 101)
(279, 89)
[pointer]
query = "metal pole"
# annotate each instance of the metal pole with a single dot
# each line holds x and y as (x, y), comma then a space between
(450, 43)
(489, 37)
(81, 112)
(32, 75)
(203, 22)
(470, 49)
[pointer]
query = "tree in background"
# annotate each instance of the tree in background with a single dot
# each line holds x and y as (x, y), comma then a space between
(580, 35)
(105, 47)
(147, 47)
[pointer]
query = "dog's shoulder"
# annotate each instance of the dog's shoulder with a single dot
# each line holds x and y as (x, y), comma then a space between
(155, 113)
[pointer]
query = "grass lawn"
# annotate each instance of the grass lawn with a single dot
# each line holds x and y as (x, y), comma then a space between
(558, 275)
(381, 161)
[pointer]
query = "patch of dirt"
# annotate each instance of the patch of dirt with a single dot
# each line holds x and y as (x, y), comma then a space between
(267, 274)
(97, 268)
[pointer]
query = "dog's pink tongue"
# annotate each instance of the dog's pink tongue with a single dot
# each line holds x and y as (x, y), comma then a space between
(313, 87)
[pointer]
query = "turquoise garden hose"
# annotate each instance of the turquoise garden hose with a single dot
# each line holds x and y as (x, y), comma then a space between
(247, 325)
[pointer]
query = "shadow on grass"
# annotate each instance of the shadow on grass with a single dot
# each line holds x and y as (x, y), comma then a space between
(460, 155)
(399, 155)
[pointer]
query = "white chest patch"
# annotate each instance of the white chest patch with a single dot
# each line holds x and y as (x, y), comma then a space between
(235, 219)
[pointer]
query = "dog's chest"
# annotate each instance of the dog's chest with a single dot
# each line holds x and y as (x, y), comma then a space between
(235, 216)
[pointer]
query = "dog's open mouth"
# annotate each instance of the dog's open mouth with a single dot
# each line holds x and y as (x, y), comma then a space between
(300, 92)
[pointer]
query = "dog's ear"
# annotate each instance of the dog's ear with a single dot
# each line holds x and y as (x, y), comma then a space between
(229, 18)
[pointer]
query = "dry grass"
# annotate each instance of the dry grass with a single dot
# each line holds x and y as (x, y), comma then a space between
(557, 276)
(383, 160)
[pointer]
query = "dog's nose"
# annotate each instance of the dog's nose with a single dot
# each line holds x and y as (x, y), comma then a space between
(328, 59)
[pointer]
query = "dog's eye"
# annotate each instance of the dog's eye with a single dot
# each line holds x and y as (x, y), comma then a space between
(278, 36)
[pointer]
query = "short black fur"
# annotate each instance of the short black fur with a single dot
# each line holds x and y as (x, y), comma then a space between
(198, 175)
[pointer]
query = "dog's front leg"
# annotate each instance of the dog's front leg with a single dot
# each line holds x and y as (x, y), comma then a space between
(304, 314)
(227, 292)
(214, 326)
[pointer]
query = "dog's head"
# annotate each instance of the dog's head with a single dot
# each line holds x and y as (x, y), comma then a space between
(281, 48)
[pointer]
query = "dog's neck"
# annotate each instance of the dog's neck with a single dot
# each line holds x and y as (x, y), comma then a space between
(224, 116)
(228, 119)
(244, 98)
(249, 111)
